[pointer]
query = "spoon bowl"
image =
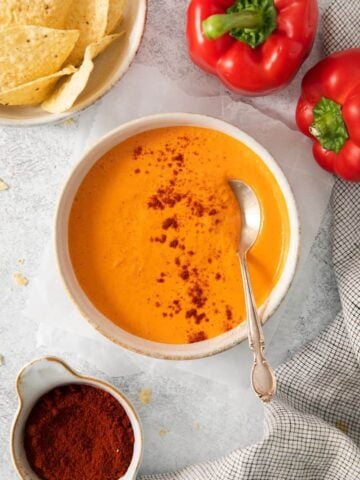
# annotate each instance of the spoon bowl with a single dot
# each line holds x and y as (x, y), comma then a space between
(250, 214)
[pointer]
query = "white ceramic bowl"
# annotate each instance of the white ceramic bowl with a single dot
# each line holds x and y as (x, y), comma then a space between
(110, 66)
(96, 318)
(44, 374)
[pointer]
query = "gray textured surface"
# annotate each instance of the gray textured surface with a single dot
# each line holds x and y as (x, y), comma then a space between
(34, 163)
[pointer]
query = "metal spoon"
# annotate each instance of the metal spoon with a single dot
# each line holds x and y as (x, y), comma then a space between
(262, 376)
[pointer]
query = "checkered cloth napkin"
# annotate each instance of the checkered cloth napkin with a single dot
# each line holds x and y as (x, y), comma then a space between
(312, 429)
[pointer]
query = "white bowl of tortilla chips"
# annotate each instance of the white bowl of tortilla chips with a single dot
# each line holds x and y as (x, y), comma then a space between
(57, 57)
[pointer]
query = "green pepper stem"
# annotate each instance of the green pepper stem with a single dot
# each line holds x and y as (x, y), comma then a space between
(328, 126)
(216, 25)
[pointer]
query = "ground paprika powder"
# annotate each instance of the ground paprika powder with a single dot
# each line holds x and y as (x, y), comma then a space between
(78, 432)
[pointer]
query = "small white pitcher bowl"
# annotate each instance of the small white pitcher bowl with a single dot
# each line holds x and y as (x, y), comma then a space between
(38, 377)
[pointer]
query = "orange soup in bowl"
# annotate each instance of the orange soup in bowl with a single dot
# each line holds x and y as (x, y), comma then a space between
(154, 229)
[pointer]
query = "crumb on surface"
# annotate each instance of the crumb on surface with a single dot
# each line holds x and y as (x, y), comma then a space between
(20, 261)
(163, 432)
(145, 396)
(20, 279)
(341, 426)
(69, 121)
(196, 425)
(2, 360)
(3, 185)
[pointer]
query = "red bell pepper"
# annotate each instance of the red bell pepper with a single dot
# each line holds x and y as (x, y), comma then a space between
(329, 112)
(254, 46)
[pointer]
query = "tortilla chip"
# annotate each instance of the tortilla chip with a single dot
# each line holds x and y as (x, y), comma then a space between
(34, 92)
(45, 13)
(65, 96)
(90, 18)
(115, 15)
(28, 53)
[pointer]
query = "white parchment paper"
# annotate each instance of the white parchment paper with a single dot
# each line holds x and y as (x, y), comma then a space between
(143, 91)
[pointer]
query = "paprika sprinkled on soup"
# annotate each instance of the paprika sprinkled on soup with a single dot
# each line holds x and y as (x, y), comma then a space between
(154, 229)
(77, 432)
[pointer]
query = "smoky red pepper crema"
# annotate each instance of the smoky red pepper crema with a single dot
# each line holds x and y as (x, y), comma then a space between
(154, 229)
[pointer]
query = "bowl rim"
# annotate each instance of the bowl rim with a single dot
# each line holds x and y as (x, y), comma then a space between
(53, 118)
(148, 347)
(96, 382)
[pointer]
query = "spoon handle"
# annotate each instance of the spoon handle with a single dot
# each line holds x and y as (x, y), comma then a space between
(262, 377)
